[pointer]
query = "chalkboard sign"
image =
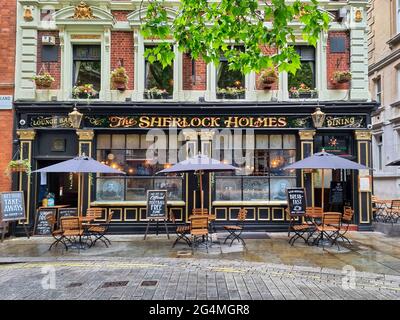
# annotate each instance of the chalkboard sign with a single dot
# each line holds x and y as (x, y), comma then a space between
(156, 204)
(12, 206)
(67, 212)
(336, 195)
(296, 198)
(42, 227)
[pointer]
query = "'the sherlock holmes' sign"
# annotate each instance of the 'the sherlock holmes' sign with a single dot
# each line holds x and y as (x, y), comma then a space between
(180, 122)
(12, 206)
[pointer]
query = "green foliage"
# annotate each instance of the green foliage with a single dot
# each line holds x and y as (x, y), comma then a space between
(304, 75)
(208, 29)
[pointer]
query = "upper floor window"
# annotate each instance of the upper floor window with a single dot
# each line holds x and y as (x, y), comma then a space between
(378, 139)
(86, 71)
(159, 81)
(378, 90)
(230, 83)
(302, 84)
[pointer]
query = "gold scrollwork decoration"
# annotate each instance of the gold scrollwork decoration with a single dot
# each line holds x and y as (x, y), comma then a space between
(83, 11)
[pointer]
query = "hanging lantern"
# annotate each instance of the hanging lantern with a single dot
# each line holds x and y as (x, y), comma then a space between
(75, 117)
(318, 118)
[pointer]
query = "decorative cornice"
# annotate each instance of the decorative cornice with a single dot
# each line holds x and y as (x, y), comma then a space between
(26, 134)
(86, 135)
(395, 55)
(306, 134)
(363, 135)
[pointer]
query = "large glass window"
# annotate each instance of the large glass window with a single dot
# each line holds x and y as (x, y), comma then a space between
(159, 81)
(378, 90)
(230, 83)
(262, 178)
(86, 71)
(302, 84)
(135, 155)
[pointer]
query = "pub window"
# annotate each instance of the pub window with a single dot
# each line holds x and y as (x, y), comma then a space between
(230, 83)
(264, 177)
(302, 83)
(133, 154)
(159, 81)
(86, 70)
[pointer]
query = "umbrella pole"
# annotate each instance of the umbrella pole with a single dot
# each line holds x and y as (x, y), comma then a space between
(201, 191)
(323, 189)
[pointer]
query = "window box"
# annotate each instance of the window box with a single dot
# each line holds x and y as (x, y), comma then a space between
(153, 95)
(231, 95)
(303, 95)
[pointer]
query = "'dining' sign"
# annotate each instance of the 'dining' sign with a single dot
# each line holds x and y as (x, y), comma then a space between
(296, 200)
(12, 206)
(156, 204)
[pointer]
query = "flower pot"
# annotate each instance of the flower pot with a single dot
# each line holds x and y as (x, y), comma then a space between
(43, 84)
(18, 168)
(343, 80)
(119, 85)
(269, 80)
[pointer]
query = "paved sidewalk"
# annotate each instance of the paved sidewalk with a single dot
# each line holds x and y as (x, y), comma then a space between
(188, 279)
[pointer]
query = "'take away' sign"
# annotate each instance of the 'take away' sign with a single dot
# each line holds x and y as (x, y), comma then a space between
(12, 206)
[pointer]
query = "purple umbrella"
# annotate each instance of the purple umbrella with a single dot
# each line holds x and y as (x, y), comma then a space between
(394, 163)
(82, 164)
(323, 160)
(199, 164)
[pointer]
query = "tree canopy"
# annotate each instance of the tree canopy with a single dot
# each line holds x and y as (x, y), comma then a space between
(209, 29)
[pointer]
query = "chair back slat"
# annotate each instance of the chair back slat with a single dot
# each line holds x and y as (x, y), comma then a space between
(94, 212)
(242, 215)
(199, 223)
(395, 204)
(109, 217)
(331, 218)
(70, 223)
(199, 211)
(314, 210)
(348, 214)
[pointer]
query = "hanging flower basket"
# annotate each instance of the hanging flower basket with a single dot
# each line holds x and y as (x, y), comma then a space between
(43, 81)
(19, 166)
(342, 76)
(119, 78)
(267, 78)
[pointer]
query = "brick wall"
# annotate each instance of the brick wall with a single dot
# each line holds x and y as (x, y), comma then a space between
(267, 51)
(7, 65)
(120, 15)
(199, 81)
(337, 61)
(54, 68)
(122, 48)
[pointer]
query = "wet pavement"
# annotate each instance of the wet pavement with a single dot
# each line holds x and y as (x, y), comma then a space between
(267, 268)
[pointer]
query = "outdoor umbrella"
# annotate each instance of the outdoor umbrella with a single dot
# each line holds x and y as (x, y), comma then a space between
(199, 164)
(82, 164)
(394, 163)
(323, 160)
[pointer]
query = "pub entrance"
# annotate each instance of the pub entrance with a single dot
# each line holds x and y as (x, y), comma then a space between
(64, 186)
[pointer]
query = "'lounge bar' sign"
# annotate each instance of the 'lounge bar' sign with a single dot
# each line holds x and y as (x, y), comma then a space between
(147, 121)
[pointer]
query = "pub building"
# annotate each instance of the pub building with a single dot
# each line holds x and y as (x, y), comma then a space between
(161, 116)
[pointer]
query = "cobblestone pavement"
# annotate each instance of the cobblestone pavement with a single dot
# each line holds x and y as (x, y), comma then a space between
(190, 279)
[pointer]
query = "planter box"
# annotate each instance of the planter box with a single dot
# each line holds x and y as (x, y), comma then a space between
(231, 96)
(157, 96)
(303, 95)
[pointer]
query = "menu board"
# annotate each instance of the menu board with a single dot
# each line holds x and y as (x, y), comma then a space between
(12, 206)
(156, 204)
(67, 212)
(42, 227)
(296, 198)
(337, 193)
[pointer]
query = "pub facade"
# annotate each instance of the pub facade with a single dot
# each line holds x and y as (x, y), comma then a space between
(162, 116)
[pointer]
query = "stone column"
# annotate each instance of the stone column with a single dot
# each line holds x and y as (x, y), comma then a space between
(306, 149)
(85, 148)
(362, 200)
(26, 138)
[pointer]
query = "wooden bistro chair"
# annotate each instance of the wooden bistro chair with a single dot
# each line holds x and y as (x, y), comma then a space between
(72, 230)
(303, 229)
(346, 221)
(182, 232)
(235, 231)
(330, 228)
(58, 234)
(99, 231)
(394, 212)
(199, 230)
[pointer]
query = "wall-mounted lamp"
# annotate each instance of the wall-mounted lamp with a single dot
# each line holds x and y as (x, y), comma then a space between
(75, 117)
(318, 118)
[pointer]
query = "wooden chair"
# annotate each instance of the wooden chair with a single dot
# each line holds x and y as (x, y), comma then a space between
(197, 211)
(58, 234)
(330, 227)
(346, 221)
(235, 231)
(182, 232)
(94, 212)
(303, 230)
(199, 231)
(72, 229)
(100, 231)
(394, 212)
